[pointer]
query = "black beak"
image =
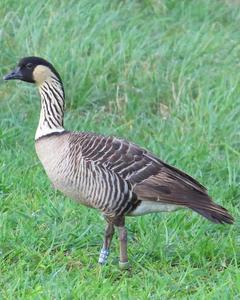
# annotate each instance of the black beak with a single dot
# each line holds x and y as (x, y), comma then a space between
(15, 74)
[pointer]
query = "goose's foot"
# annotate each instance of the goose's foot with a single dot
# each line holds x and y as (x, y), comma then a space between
(124, 265)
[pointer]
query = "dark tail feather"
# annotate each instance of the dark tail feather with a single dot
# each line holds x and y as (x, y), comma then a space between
(215, 213)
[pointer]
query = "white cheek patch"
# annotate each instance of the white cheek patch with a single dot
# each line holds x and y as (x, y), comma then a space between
(41, 73)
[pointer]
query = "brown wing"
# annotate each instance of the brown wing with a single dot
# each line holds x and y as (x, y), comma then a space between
(151, 178)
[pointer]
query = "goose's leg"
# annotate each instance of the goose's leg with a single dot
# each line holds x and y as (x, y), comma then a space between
(109, 232)
(123, 260)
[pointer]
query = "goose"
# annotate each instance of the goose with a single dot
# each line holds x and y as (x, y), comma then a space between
(110, 174)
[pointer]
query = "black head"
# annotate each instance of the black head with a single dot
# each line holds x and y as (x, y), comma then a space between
(33, 69)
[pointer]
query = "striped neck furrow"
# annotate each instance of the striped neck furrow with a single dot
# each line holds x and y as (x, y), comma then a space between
(52, 107)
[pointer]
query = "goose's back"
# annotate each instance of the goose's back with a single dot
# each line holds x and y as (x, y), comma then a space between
(157, 185)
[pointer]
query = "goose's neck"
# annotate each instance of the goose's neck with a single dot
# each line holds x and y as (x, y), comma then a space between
(52, 107)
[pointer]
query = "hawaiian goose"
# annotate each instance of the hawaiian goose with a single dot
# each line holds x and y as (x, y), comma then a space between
(113, 175)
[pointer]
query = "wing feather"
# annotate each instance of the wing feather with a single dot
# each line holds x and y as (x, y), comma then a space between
(151, 178)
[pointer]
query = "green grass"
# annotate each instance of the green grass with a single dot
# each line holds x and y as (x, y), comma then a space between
(164, 74)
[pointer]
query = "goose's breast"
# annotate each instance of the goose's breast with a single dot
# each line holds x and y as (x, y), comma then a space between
(53, 152)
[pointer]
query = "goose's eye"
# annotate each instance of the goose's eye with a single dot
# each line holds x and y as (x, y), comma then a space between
(29, 66)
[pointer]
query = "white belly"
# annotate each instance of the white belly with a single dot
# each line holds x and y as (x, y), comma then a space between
(147, 207)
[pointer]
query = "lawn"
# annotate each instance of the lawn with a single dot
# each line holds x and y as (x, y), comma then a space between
(162, 73)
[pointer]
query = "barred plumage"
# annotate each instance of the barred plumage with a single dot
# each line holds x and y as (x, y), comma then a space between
(107, 173)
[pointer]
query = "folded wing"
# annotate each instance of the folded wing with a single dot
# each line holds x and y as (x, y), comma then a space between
(151, 178)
